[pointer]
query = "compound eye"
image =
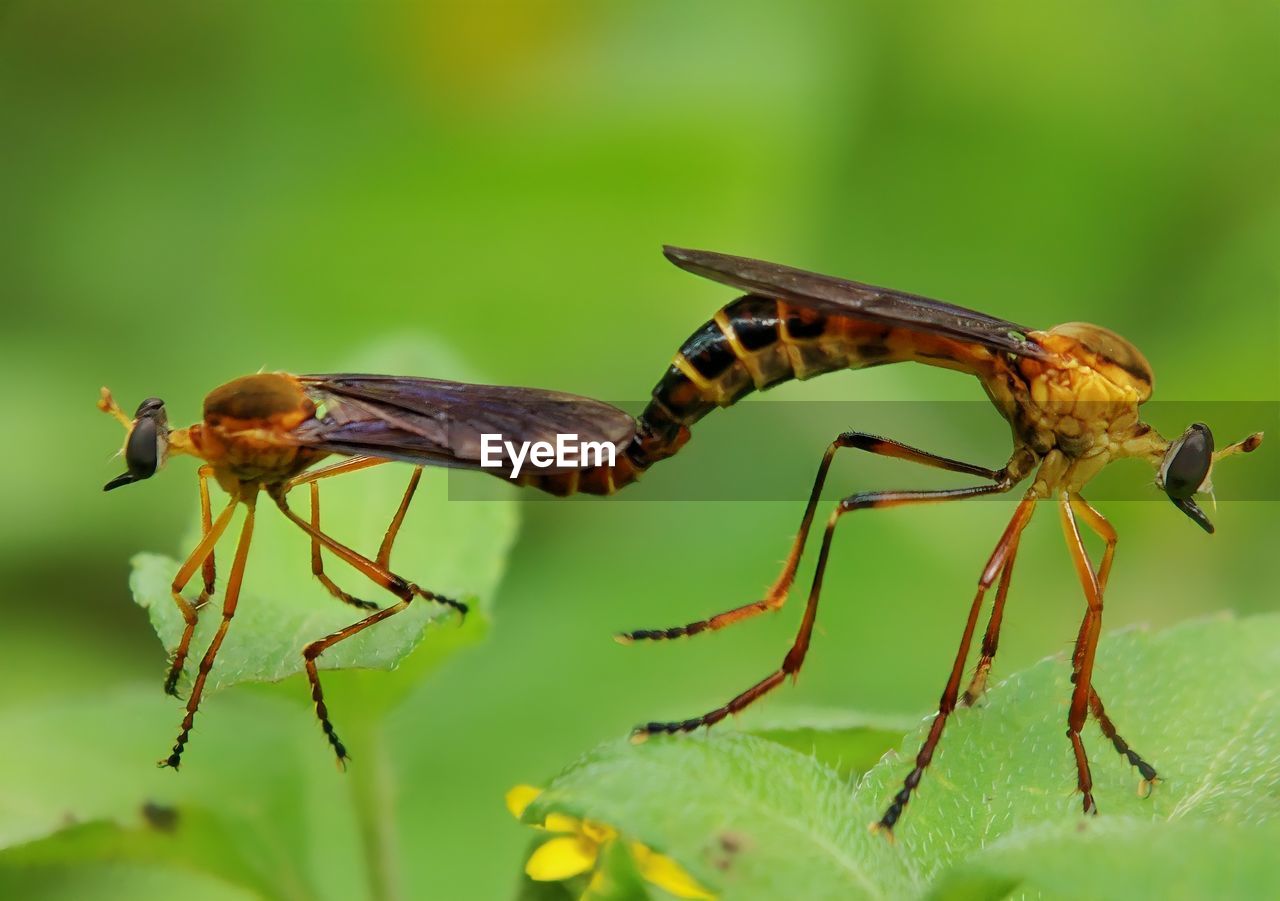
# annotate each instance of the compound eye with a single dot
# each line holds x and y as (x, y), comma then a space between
(142, 451)
(147, 445)
(1186, 464)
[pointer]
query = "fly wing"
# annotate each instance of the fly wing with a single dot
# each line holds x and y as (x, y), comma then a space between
(847, 298)
(441, 423)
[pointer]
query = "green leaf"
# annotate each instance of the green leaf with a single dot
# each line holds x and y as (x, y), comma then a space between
(734, 810)
(174, 837)
(1122, 858)
(240, 816)
(455, 549)
(94, 881)
(848, 741)
(753, 819)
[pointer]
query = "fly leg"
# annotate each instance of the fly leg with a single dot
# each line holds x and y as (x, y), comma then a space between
(795, 657)
(990, 642)
(1104, 530)
(384, 554)
(991, 639)
(1086, 646)
(229, 601)
(404, 590)
(777, 593)
(393, 530)
(209, 570)
(201, 557)
(995, 566)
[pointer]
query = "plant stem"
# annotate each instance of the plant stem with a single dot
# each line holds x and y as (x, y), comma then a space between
(373, 793)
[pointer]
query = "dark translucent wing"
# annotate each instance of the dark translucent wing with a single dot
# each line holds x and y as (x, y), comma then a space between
(847, 298)
(440, 423)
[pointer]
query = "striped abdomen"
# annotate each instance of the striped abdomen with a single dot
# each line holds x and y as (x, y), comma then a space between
(753, 344)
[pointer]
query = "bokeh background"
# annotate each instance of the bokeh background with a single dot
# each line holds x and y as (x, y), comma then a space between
(192, 192)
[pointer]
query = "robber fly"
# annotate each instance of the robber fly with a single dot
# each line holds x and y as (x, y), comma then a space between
(1070, 394)
(265, 432)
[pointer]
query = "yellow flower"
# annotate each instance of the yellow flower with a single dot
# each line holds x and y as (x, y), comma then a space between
(578, 847)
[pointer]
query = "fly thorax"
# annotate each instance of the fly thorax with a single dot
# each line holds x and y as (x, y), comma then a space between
(274, 398)
(247, 430)
(1088, 396)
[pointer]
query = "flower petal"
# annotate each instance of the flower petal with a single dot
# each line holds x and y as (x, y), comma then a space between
(561, 858)
(519, 799)
(562, 822)
(665, 873)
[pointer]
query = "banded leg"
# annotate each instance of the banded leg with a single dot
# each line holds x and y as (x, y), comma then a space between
(355, 464)
(991, 638)
(229, 601)
(795, 657)
(1104, 530)
(202, 558)
(1086, 646)
(996, 565)
(990, 641)
(317, 560)
(388, 540)
(777, 593)
(404, 590)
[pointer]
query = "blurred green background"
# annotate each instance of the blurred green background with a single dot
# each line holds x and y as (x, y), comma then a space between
(193, 192)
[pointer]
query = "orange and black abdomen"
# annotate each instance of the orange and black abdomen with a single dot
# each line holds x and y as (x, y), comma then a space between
(711, 368)
(752, 344)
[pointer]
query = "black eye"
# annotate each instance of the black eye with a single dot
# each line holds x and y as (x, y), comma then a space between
(141, 453)
(1187, 462)
(147, 444)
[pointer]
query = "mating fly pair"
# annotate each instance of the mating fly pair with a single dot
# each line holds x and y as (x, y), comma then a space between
(1070, 394)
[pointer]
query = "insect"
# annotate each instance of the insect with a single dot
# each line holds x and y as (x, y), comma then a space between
(263, 434)
(1070, 395)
